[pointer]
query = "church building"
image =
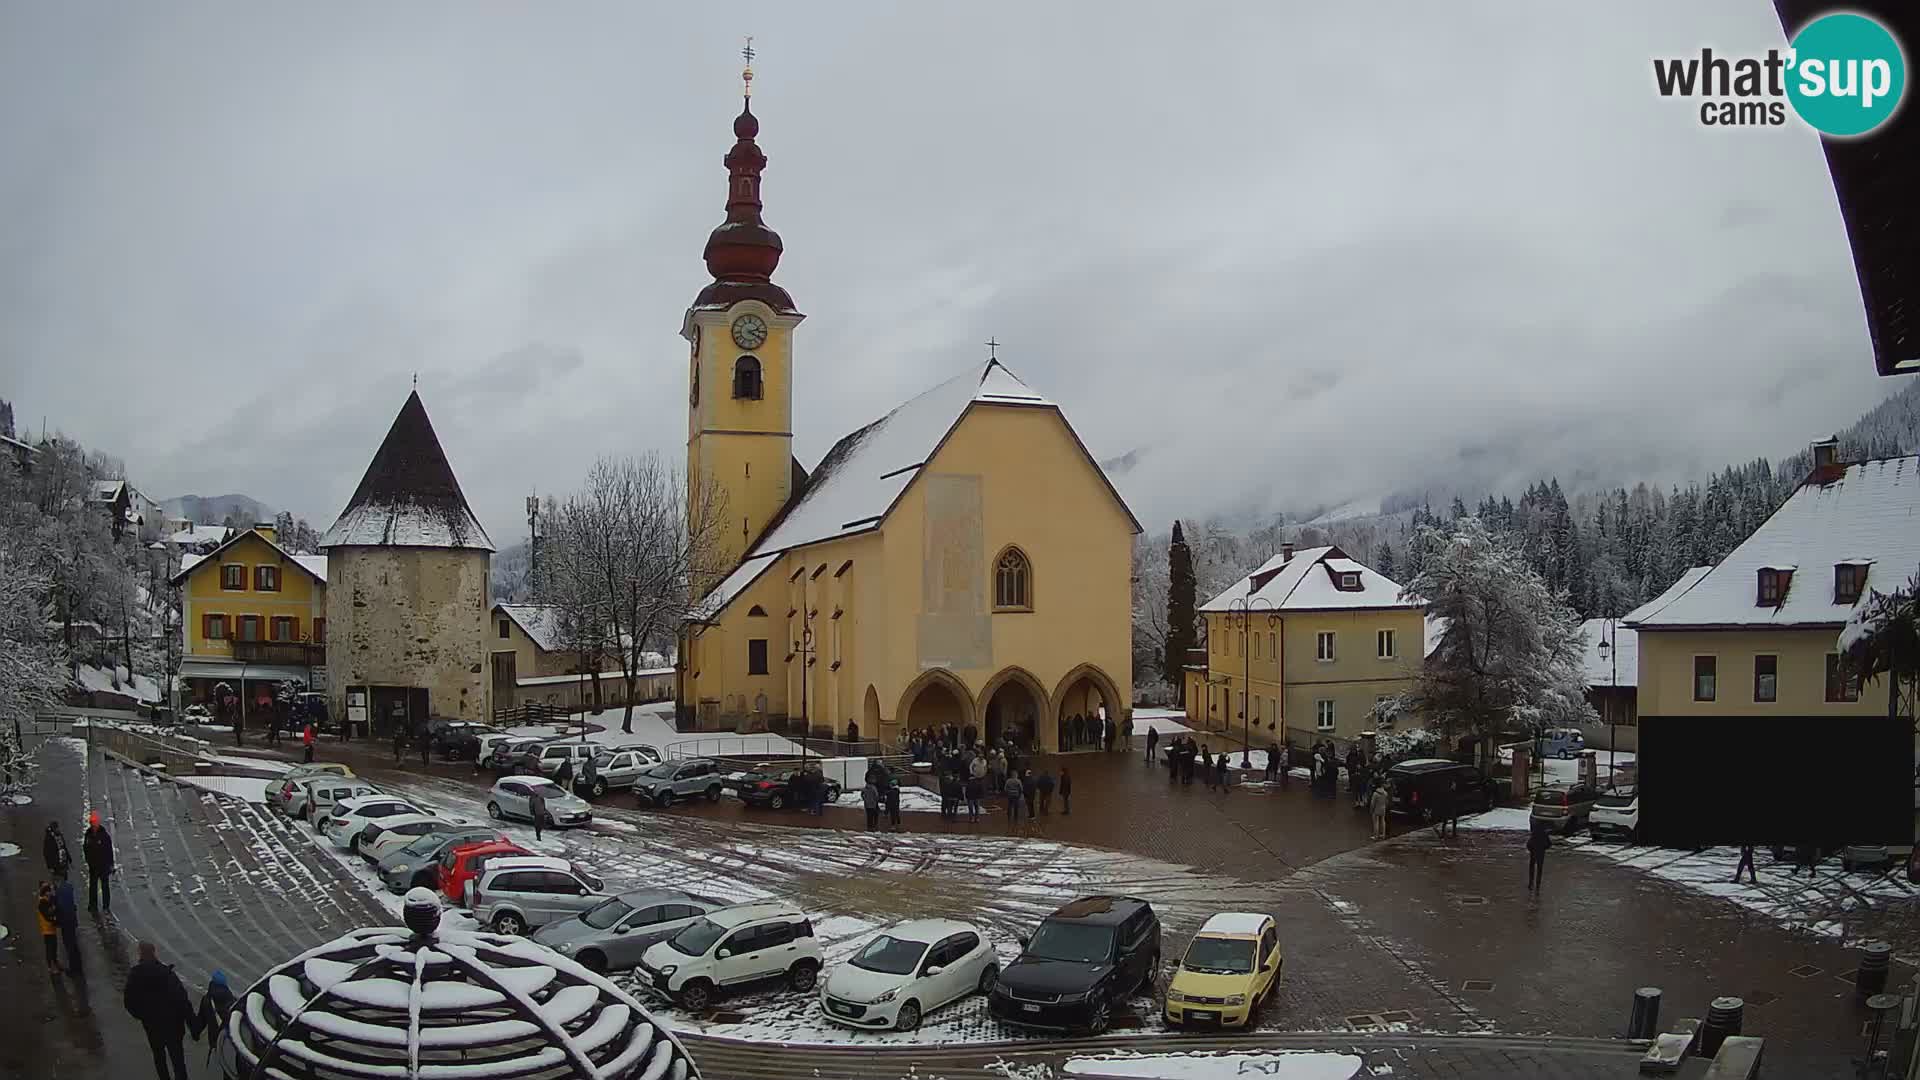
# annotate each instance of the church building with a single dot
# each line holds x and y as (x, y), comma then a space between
(961, 560)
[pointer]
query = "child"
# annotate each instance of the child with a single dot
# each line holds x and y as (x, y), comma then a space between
(49, 927)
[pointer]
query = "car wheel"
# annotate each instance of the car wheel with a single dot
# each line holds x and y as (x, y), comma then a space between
(353, 844)
(493, 810)
(778, 802)
(801, 976)
(1149, 976)
(510, 924)
(696, 995)
(665, 799)
(908, 1017)
(833, 792)
(988, 977)
(713, 792)
(593, 961)
(1097, 1020)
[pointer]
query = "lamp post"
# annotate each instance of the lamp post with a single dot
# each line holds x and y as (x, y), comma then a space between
(1610, 650)
(804, 649)
(1241, 610)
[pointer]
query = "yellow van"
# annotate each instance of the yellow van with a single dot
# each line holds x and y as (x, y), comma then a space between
(1229, 971)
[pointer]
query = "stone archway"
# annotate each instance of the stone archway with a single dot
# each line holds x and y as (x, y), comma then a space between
(1085, 691)
(870, 711)
(935, 699)
(1013, 706)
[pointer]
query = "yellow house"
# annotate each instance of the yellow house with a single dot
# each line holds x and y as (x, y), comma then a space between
(962, 560)
(1304, 648)
(532, 665)
(1757, 634)
(252, 615)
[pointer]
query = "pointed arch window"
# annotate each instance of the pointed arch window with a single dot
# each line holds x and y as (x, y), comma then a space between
(746, 378)
(756, 611)
(1012, 581)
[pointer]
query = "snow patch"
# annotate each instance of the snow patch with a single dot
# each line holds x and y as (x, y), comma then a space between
(253, 789)
(1281, 1064)
(7, 850)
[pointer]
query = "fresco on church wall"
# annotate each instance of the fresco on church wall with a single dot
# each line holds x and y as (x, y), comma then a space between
(954, 629)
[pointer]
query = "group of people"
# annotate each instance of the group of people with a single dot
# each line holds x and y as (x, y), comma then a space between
(157, 998)
(1096, 731)
(57, 906)
(1186, 756)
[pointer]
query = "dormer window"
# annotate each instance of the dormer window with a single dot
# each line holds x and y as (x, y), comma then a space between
(746, 378)
(1849, 581)
(1773, 585)
(1349, 582)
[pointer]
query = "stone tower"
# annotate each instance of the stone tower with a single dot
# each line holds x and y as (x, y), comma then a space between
(407, 588)
(740, 397)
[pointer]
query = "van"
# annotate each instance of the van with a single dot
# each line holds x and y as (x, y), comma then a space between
(519, 893)
(1424, 786)
(1560, 743)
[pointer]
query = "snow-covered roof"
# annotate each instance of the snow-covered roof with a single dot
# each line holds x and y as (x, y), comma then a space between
(199, 534)
(108, 490)
(18, 445)
(409, 496)
(1304, 583)
(458, 1005)
(1235, 924)
(315, 565)
(1867, 511)
(541, 622)
(1687, 580)
(1600, 667)
(616, 674)
(116, 680)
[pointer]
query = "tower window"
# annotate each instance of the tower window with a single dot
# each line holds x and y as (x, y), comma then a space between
(1012, 581)
(746, 378)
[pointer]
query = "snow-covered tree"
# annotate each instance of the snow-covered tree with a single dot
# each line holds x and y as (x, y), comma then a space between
(1150, 619)
(1511, 658)
(33, 669)
(1882, 640)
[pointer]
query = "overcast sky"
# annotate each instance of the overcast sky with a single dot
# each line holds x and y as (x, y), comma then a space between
(1291, 254)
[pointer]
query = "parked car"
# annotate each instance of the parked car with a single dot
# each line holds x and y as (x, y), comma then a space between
(909, 970)
(733, 947)
(196, 714)
(510, 756)
(1618, 811)
(456, 739)
(615, 769)
(489, 741)
(1231, 968)
(771, 788)
(1560, 743)
(673, 780)
(1083, 959)
(282, 798)
(418, 863)
(463, 865)
(387, 835)
(1565, 807)
(1864, 856)
(349, 817)
(519, 892)
(512, 798)
(1424, 786)
(554, 755)
(323, 792)
(615, 933)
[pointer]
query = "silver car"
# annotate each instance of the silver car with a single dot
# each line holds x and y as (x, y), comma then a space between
(418, 863)
(513, 798)
(665, 783)
(520, 892)
(611, 935)
(617, 768)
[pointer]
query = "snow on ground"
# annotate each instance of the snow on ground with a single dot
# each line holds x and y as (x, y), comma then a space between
(7, 850)
(251, 788)
(272, 765)
(912, 800)
(653, 725)
(1281, 1064)
(1165, 721)
(1500, 817)
(116, 680)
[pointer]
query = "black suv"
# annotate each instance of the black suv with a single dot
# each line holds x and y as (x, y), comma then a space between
(766, 787)
(1424, 787)
(1082, 960)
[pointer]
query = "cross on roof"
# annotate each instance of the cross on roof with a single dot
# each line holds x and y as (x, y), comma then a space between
(993, 349)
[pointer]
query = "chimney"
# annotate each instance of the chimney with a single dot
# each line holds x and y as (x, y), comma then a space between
(1827, 466)
(266, 529)
(1286, 551)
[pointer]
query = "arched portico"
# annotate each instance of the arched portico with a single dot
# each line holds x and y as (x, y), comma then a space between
(933, 700)
(1012, 706)
(1085, 690)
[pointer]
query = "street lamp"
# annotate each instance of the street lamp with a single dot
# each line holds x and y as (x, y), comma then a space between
(804, 649)
(1609, 651)
(1241, 611)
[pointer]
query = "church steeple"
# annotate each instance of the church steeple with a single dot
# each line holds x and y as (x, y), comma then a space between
(742, 252)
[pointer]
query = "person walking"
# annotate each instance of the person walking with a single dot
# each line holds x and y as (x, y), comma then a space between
(66, 912)
(1378, 803)
(96, 847)
(426, 745)
(870, 798)
(215, 1005)
(156, 997)
(564, 777)
(1126, 733)
(1220, 771)
(591, 772)
(1206, 767)
(1746, 863)
(1188, 755)
(893, 804)
(1029, 793)
(399, 744)
(306, 743)
(537, 808)
(976, 787)
(1153, 740)
(1537, 844)
(1286, 762)
(54, 846)
(49, 917)
(1066, 792)
(1045, 784)
(1015, 798)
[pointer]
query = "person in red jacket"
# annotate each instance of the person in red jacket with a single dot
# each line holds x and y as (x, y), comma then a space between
(306, 742)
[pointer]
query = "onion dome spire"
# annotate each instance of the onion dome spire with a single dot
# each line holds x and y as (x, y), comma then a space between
(743, 249)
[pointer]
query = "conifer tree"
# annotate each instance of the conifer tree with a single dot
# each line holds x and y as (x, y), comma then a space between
(1181, 632)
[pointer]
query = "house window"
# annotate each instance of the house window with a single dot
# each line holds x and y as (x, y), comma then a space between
(757, 656)
(283, 628)
(1256, 646)
(319, 631)
(746, 378)
(1256, 707)
(1383, 642)
(1323, 714)
(1349, 582)
(756, 612)
(1704, 680)
(266, 578)
(1849, 581)
(1842, 684)
(1013, 581)
(249, 628)
(1766, 678)
(1323, 645)
(233, 577)
(1773, 585)
(1273, 647)
(506, 629)
(213, 627)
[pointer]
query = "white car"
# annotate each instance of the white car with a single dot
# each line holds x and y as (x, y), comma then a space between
(1618, 811)
(512, 797)
(909, 970)
(316, 797)
(386, 835)
(349, 816)
(732, 947)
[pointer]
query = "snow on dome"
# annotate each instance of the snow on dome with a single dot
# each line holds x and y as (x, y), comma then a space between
(403, 1004)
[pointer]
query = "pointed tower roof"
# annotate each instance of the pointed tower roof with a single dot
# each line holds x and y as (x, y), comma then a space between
(409, 497)
(742, 252)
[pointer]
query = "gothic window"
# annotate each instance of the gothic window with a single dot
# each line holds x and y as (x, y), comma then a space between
(756, 611)
(746, 378)
(1013, 581)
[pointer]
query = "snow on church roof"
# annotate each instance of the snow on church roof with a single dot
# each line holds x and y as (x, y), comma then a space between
(1868, 511)
(409, 496)
(1301, 583)
(1674, 591)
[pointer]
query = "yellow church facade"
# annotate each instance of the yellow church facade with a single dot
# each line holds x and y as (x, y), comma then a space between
(962, 560)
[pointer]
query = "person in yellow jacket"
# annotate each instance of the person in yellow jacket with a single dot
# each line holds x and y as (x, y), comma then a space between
(49, 927)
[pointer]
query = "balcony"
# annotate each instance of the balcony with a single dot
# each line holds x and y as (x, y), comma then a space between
(294, 653)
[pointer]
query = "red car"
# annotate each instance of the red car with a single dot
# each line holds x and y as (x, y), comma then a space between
(467, 862)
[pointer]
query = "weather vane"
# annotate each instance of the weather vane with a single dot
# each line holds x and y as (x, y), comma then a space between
(746, 74)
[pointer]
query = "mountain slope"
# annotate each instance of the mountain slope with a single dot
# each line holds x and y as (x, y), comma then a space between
(215, 509)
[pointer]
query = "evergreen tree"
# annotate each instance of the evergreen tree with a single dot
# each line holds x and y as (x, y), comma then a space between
(1181, 601)
(1384, 561)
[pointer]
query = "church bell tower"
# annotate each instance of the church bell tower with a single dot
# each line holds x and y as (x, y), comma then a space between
(740, 381)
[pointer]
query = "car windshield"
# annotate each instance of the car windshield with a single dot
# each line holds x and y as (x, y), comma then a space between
(664, 772)
(426, 845)
(1221, 956)
(1551, 797)
(890, 955)
(697, 938)
(1079, 943)
(546, 789)
(605, 914)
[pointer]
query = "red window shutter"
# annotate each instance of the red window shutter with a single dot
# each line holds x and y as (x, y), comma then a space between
(293, 628)
(320, 631)
(206, 627)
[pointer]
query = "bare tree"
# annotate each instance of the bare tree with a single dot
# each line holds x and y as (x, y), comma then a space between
(625, 556)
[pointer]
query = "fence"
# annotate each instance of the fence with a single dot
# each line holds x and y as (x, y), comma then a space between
(533, 712)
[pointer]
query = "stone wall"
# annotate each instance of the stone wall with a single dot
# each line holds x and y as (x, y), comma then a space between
(406, 616)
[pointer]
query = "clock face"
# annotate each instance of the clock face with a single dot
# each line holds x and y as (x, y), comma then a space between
(749, 331)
